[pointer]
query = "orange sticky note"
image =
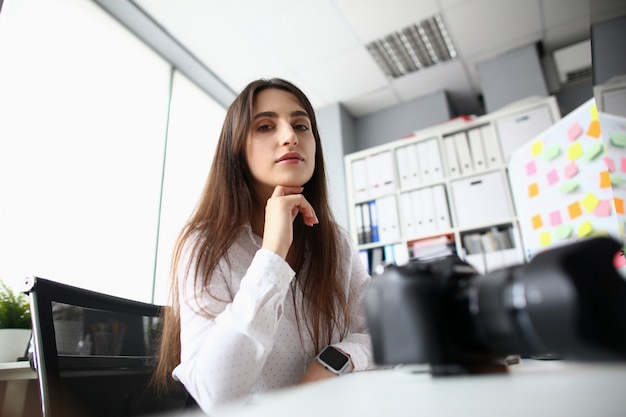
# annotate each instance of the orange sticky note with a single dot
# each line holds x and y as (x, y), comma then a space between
(619, 205)
(536, 221)
(594, 129)
(574, 210)
(605, 179)
(533, 190)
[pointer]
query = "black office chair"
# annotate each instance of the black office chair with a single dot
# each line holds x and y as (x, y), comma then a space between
(95, 353)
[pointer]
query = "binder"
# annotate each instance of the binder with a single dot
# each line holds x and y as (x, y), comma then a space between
(373, 208)
(374, 176)
(451, 158)
(476, 149)
(418, 213)
(388, 222)
(423, 155)
(490, 146)
(408, 218)
(463, 153)
(404, 175)
(386, 170)
(442, 214)
(427, 207)
(367, 225)
(414, 166)
(359, 180)
(360, 230)
(434, 158)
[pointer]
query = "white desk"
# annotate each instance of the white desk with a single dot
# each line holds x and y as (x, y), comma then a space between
(533, 388)
(16, 375)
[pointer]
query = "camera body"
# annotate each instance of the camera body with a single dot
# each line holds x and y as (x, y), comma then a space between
(568, 302)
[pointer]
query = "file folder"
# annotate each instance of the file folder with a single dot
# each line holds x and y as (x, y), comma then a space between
(374, 221)
(414, 166)
(423, 155)
(359, 180)
(490, 146)
(404, 175)
(442, 213)
(419, 215)
(427, 207)
(360, 229)
(374, 176)
(409, 227)
(434, 158)
(387, 175)
(367, 225)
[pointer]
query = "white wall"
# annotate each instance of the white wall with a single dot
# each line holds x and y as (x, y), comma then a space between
(83, 122)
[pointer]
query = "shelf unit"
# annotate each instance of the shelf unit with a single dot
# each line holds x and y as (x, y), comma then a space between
(444, 189)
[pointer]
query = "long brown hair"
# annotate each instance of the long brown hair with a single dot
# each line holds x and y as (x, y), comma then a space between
(220, 214)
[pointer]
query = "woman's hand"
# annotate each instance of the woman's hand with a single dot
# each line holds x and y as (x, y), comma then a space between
(280, 211)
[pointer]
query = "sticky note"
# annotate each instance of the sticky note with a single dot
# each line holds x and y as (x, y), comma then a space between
(574, 210)
(536, 221)
(574, 131)
(594, 129)
(571, 170)
(545, 239)
(605, 179)
(603, 209)
(618, 139)
(531, 168)
(570, 186)
(594, 112)
(617, 179)
(555, 218)
(552, 177)
(575, 151)
(595, 150)
(623, 164)
(536, 148)
(590, 201)
(564, 231)
(533, 190)
(619, 205)
(585, 229)
(610, 163)
(552, 152)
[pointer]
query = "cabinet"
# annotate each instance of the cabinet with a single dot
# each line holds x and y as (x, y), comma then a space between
(444, 190)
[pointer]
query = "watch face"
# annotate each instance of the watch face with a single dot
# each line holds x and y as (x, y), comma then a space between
(334, 358)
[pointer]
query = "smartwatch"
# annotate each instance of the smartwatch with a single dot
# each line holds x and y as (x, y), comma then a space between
(334, 360)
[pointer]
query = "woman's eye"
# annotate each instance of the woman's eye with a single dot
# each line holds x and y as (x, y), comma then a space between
(301, 127)
(264, 128)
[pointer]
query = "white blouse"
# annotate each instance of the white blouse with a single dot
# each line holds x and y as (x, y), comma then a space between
(252, 344)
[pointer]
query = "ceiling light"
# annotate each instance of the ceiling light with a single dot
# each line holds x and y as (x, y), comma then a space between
(412, 48)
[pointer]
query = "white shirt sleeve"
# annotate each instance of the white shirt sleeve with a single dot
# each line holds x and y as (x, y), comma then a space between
(222, 356)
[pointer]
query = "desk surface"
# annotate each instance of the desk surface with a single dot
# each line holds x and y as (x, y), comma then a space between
(16, 370)
(533, 388)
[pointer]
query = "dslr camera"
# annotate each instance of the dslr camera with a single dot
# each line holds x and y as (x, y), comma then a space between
(568, 302)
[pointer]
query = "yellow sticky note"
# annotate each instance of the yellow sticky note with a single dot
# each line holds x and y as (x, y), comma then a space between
(590, 202)
(574, 210)
(594, 112)
(575, 151)
(594, 129)
(536, 148)
(536, 221)
(533, 189)
(585, 229)
(605, 179)
(545, 239)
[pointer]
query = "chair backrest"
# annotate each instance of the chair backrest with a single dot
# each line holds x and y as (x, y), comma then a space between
(95, 353)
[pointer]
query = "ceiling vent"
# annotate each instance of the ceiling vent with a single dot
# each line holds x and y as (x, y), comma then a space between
(573, 62)
(413, 48)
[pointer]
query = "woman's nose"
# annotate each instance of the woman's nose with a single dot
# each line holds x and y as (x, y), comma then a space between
(288, 135)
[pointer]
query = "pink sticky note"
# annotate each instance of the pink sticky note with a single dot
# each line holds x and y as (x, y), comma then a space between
(610, 164)
(571, 170)
(623, 164)
(603, 208)
(552, 176)
(531, 168)
(555, 218)
(574, 131)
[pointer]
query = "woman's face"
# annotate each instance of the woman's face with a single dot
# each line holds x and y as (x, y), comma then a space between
(280, 148)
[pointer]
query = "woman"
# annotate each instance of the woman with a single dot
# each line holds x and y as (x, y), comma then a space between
(263, 277)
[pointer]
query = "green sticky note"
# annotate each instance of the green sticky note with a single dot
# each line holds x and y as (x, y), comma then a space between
(594, 151)
(563, 231)
(570, 186)
(617, 180)
(618, 139)
(552, 152)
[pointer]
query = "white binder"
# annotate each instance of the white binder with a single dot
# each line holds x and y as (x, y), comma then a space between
(386, 169)
(476, 149)
(442, 214)
(374, 176)
(418, 213)
(367, 225)
(490, 146)
(414, 165)
(463, 153)
(359, 180)
(408, 218)
(434, 157)
(404, 175)
(427, 206)
(451, 158)
(358, 216)
(388, 221)
(423, 155)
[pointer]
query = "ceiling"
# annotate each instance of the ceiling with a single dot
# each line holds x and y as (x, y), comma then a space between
(320, 44)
